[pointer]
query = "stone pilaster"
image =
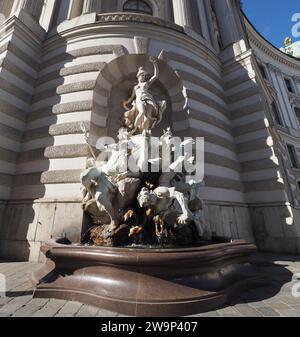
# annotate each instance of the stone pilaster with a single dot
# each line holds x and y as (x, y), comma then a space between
(90, 6)
(228, 26)
(182, 15)
(34, 7)
(203, 19)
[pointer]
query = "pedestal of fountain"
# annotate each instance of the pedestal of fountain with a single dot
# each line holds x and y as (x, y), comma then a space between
(147, 282)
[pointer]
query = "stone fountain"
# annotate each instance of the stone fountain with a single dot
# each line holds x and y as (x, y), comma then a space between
(147, 250)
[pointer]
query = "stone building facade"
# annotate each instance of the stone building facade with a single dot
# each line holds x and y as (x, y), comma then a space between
(67, 62)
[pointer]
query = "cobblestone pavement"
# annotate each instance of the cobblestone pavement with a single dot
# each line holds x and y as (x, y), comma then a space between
(275, 300)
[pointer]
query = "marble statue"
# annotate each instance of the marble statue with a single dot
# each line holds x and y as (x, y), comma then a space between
(165, 202)
(130, 201)
(143, 111)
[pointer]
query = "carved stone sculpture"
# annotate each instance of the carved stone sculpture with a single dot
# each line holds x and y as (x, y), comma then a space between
(129, 204)
(144, 113)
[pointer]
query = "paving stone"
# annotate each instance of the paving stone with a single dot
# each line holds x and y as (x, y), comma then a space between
(268, 312)
(13, 268)
(228, 311)
(276, 305)
(15, 304)
(70, 308)
(50, 309)
(246, 310)
(285, 291)
(31, 307)
(87, 311)
(120, 315)
(106, 313)
(290, 313)
(64, 315)
(4, 300)
(290, 300)
(233, 315)
(23, 269)
(210, 314)
(258, 304)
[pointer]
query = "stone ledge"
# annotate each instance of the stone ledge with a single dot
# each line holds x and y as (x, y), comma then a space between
(253, 145)
(56, 130)
(64, 89)
(137, 17)
(72, 70)
(247, 110)
(87, 51)
(202, 98)
(50, 177)
(249, 128)
(55, 152)
(59, 109)
(208, 136)
(20, 73)
(257, 165)
(10, 132)
(201, 82)
(34, 64)
(13, 111)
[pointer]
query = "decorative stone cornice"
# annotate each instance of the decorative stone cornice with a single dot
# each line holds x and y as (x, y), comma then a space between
(102, 24)
(136, 17)
(274, 53)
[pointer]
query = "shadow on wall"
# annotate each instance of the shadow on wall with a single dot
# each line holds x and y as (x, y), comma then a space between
(27, 219)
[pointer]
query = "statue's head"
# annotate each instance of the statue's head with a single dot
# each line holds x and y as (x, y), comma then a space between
(142, 75)
(146, 198)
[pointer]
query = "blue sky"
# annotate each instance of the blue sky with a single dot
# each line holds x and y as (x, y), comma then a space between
(272, 18)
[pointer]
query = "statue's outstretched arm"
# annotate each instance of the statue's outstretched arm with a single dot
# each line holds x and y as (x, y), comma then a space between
(156, 71)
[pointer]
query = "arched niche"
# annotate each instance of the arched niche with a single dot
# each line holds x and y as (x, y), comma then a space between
(116, 81)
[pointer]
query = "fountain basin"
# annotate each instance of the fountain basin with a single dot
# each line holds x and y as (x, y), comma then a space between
(147, 282)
